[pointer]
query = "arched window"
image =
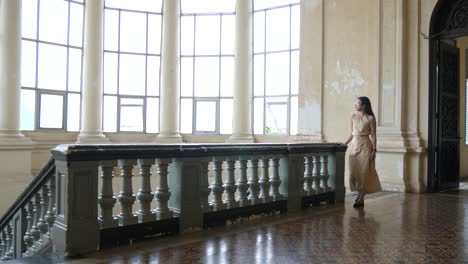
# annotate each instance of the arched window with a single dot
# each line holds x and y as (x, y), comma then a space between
(132, 48)
(51, 64)
(207, 66)
(276, 66)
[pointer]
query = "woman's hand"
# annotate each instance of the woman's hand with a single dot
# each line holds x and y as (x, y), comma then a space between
(373, 155)
(342, 144)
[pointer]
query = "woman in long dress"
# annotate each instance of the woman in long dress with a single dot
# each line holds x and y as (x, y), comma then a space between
(363, 177)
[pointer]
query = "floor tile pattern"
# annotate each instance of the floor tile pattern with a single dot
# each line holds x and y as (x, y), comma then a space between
(391, 228)
(403, 228)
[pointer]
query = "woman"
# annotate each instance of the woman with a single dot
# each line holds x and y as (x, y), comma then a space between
(363, 176)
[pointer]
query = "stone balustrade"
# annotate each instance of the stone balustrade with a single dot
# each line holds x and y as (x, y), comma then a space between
(93, 196)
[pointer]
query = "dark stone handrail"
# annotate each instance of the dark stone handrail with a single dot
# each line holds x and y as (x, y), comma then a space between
(82, 152)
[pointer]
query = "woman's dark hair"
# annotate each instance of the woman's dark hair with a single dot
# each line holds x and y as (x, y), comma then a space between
(366, 105)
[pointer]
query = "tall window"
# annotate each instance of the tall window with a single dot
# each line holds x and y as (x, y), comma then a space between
(276, 66)
(132, 48)
(207, 66)
(51, 64)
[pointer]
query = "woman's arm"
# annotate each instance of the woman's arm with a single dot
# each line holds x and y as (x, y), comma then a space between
(373, 135)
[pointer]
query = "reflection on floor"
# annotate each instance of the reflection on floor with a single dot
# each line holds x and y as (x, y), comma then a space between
(391, 228)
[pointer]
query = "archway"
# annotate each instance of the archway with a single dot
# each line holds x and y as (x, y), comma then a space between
(449, 21)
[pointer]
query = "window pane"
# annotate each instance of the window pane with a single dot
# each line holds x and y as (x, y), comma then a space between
(206, 76)
(225, 116)
(28, 64)
(73, 113)
(152, 74)
(294, 115)
(133, 32)
(28, 109)
(152, 115)
(51, 111)
(186, 35)
(295, 26)
(206, 116)
(52, 67)
(276, 114)
(131, 118)
(208, 6)
(111, 30)
(258, 115)
(277, 73)
(186, 112)
(131, 114)
(186, 73)
(228, 32)
(132, 74)
(207, 37)
(53, 21)
(259, 32)
(295, 72)
(76, 24)
(227, 76)
(154, 34)
(29, 19)
(110, 72)
(262, 4)
(259, 75)
(110, 114)
(74, 70)
(277, 29)
(140, 5)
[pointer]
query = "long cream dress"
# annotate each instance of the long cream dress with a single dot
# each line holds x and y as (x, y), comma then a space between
(363, 176)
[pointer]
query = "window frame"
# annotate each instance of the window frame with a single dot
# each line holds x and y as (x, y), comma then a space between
(38, 91)
(265, 53)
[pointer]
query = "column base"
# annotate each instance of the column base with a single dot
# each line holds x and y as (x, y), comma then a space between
(165, 137)
(10, 138)
(95, 137)
(241, 138)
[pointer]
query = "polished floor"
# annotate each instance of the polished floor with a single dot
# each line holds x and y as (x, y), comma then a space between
(391, 228)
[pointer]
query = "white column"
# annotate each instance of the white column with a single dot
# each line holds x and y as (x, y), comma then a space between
(311, 61)
(242, 110)
(91, 108)
(10, 74)
(169, 130)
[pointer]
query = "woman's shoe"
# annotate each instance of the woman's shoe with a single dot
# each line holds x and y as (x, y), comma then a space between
(357, 198)
(358, 205)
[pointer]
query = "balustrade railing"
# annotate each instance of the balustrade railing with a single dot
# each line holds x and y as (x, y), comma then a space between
(91, 196)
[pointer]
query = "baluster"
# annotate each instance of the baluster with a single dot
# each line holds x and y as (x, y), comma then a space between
(8, 255)
(126, 196)
(316, 175)
(162, 192)
(242, 183)
(275, 180)
(254, 186)
(324, 173)
(107, 199)
(50, 215)
(308, 175)
(230, 184)
(2, 245)
(204, 189)
(36, 211)
(145, 196)
(217, 188)
(42, 224)
(28, 239)
(265, 180)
